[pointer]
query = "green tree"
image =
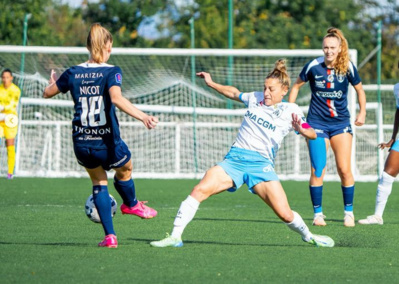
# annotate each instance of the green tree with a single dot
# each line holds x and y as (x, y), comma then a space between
(268, 24)
(50, 23)
(123, 18)
(388, 14)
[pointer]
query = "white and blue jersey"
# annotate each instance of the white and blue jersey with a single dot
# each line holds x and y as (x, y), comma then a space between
(94, 123)
(264, 127)
(251, 157)
(329, 101)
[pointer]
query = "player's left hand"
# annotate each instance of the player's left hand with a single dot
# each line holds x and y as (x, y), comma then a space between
(297, 122)
(360, 119)
(150, 122)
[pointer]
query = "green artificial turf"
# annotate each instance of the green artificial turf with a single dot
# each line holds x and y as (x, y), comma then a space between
(234, 237)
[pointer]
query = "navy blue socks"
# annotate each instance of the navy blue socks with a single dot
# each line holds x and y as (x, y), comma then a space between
(348, 193)
(316, 194)
(103, 204)
(127, 191)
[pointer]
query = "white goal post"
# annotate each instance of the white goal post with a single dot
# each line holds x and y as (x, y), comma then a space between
(197, 125)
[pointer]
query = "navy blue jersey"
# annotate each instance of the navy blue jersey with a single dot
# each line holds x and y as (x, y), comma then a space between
(94, 123)
(329, 101)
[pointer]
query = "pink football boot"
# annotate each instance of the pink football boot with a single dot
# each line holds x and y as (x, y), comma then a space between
(140, 210)
(109, 241)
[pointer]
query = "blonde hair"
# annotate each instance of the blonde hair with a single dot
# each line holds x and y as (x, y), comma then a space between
(280, 72)
(96, 41)
(341, 65)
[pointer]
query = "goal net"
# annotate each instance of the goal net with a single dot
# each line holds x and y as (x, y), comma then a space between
(197, 125)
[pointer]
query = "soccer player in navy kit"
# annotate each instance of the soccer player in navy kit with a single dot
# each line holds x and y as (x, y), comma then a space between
(329, 79)
(96, 89)
(251, 158)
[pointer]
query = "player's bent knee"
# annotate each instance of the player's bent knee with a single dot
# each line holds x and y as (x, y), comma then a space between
(287, 216)
(124, 172)
(201, 192)
(318, 155)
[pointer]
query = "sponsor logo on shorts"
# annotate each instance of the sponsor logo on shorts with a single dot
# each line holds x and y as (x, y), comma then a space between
(268, 169)
(319, 131)
(119, 162)
(347, 129)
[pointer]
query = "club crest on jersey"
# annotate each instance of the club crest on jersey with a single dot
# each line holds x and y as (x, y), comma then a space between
(340, 78)
(277, 112)
(118, 78)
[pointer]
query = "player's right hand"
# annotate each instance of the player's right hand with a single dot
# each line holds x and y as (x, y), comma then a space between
(150, 122)
(207, 77)
(386, 145)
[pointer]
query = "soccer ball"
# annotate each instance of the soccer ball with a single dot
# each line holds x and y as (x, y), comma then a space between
(91, 210)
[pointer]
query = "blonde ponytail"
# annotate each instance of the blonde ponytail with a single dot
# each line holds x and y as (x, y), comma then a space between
(280, 72)
(96, 42)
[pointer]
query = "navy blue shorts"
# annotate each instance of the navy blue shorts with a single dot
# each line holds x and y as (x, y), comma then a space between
(107, 158)
(326, 130)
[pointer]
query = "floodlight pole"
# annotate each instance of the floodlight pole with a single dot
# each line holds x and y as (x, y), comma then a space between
(230, 43)
(24, 40)
(194, 95)
(379, 111)
(21, 86)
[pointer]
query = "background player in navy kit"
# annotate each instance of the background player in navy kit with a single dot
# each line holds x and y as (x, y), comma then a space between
(329, 79)
(251, 157)
(96, 89)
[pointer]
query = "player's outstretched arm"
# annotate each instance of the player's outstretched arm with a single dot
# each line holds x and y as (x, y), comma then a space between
(127, 107)
(51, 90)
(303, 128)
(295, 90)
(227, 91)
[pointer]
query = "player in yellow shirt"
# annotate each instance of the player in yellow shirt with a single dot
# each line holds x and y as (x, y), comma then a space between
(9, 98)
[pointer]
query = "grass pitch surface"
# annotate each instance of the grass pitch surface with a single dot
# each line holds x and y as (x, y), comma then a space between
(234, 238)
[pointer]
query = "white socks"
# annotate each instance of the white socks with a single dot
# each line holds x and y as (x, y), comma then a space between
(189, 207)
(299, 226)
(384, 189)
(186, 213)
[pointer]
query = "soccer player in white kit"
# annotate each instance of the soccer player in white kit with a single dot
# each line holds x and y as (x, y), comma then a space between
(251, 158)
(391, 170)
